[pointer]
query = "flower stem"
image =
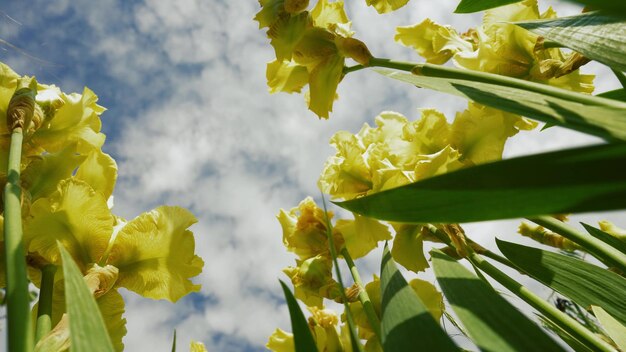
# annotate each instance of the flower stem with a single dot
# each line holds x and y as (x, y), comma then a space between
(44, 308)
(368, 307)
(441, 71)
(20, 109)
(604, 252)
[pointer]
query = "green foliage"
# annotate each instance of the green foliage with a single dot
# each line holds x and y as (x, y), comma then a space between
(406, 322)
(303, 339)
(87, 330)
(492, 322)
(469, 6)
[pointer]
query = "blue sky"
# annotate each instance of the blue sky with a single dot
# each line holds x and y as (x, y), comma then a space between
(190, 123)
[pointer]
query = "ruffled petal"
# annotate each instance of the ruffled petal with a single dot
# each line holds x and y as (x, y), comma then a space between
(155, 254)
(99, 170)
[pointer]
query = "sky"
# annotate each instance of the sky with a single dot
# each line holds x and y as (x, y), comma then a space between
(191, 123)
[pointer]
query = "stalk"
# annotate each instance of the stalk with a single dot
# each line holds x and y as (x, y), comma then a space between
(20, 110)
(356, 346)
(44, 308)
(441, 71)
(368, 307)
(604, 252)
(564, 321)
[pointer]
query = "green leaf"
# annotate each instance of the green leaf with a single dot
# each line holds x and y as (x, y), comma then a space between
(615, 330)
(87, 330)
(617, 94)
(302, 337)
(469, 6)
(406, 322)
(615, 7)
(568, 181)
(605, 118)
(598, 36)
(606, 238)
(492, 323)
(583, 283)
(174, 342)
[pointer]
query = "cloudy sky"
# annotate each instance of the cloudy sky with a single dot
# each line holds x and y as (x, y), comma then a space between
(190, 123)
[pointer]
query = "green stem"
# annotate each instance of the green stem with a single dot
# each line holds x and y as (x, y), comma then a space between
(356, 346)
(368, 307)
(604, 252)
(567, 323)
(44, 307)
(18, 305)
(440, 71)
(20, 109)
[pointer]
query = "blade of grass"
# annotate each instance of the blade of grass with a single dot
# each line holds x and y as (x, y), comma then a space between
(174, 342)
(491, 322)
(469, 6)
(615, 330)
(583, 283)
(44, 306)
(606, 238)
(87, 330)
(406, 322)
(571, 181)
(302, 337)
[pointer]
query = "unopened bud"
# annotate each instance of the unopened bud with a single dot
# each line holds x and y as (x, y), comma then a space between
(22, 105)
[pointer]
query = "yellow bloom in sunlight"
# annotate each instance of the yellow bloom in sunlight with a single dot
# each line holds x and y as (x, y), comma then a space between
(612, 230)
(323, 324)
(384, 6)
(313, 281)
(305, 231)
(361, 235)
(310, 47)
(281, 341)
(432, 41)
(480, 132)
(155, 254)
(195, 346)
(408, 247)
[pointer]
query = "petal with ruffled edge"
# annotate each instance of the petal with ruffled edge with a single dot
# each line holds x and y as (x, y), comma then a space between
(432, 41)
(327, 14)
(99, 170)
(286, 76)
(281, 341)
(270, 10)
(75, 215)
(77, 121)
(384, 6)
(323, 82)
(286, 32)
(155, 254)
(112, 309)
(480, 132)
(362, 234)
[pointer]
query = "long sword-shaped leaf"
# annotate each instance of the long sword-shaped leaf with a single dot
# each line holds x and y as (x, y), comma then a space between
(606, 119)
(492, 323)
(570, 181)
(87, 330)
(406, 322)
(302, 337)
(469, 6)
(617, 94)
(606, 238)
(583, 283)
(598, 36)
(614, 329)
(615, 7)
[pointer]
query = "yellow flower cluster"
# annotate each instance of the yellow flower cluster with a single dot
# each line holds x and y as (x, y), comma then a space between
(500, 47)
(397, 151)
(305, 233)
(67, 185)
(311, 48)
